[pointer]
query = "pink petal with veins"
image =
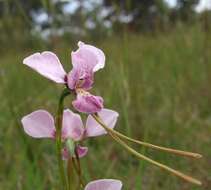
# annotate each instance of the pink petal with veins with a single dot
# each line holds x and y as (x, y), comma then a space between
(88, 57)
(81, 150)
(39, 124)
(87, 103)
(72, 126)
(48, 65)
(79, 78)
(104, 184)
(109, 118)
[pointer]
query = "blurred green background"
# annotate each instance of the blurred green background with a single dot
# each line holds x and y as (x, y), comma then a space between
(157, 76)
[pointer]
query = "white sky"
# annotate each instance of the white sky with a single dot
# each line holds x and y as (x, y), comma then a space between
(171, 3)
(203, 4)
(73, 5)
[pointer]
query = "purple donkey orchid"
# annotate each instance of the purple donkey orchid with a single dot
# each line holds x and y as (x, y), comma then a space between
(86, 60)
(40, 124)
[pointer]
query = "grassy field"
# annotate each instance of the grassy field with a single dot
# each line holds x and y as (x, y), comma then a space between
(159, 84)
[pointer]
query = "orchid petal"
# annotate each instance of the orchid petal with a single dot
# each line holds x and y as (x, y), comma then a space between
(87, 103)
(88, 57)
(72, 125)
(104, 184)
(48, 65)
(109, 117)
(81, 150)
(79, 78)
(39, 124)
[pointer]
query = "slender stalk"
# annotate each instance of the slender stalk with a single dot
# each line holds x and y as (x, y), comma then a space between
(140, 156)
(80, 184)
(69, 170)
(173, 171)
(79, 169)
(170, 150)
(59, 137)
(61, 166)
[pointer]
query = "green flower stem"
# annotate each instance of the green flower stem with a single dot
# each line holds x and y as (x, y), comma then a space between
(74, 161)
(170, 150)
(140, 156)
(59, 117)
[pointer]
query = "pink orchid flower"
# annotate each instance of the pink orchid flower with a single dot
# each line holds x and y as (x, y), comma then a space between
(40, 124)
(86, 60)
(104, 184)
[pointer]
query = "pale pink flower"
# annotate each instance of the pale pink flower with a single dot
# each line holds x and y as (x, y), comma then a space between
(86, 60)
(104, 184)
(41, 124)
(86, 102)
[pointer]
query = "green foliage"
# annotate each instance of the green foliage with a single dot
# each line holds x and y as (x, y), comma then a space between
(160, 86)
(145, 13)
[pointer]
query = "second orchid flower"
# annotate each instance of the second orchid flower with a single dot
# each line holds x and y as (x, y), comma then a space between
(40, 124)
